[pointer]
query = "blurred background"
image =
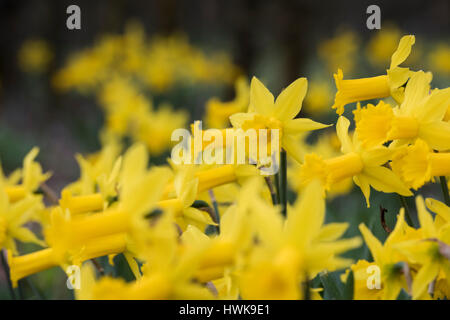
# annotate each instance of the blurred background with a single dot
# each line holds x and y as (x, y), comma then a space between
(57, 85)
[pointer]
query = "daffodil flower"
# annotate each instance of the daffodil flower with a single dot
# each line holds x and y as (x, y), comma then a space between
(288, 251)
(387, 258)
(31, 178)
(218, 112)
(430, 252)
(366, 167)
(420, 115)
(266, 113)
(417, 164)
(383, 86)
(13, 216)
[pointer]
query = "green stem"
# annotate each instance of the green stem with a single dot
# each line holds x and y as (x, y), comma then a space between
(444, 187)
(408, 213)
(283, 182)
(8, 278)
(272, 190)
(277, 186)
(35, 290)
(216, 210)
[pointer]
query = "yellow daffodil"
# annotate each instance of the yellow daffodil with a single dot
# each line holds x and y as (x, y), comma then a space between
(355, 90)
(265, 113)
(218, 112)
(420, 115)
(13, 216)
(31, 177)
(417, 164)
(430, 252)
(365, 166)
(288, 252)
(387, 258)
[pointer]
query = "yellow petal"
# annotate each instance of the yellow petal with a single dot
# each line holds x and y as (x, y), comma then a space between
(435, 107)
(425, 275)
(436, 134)
(293, 148)
(261, 100)
(362, 182)
(383, 179)
(289, 102)
(425, 219)
(403, 50)
(417, 89)
(439, 208)
(300, 125)
(342, 132)
(375, 246)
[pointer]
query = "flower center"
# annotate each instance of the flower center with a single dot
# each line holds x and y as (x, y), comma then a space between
(403, 128)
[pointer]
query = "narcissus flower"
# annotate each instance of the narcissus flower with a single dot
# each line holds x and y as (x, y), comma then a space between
(289, 252)
(355, 90)
(366, 167)
(430, 252)
(420, 115)
(417, 164)
(13, 216)
(265, 113)
(31, 177)
(387, 258)
(218, 112)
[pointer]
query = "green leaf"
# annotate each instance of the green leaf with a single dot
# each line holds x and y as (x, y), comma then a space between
(349, 287)
(332, 286)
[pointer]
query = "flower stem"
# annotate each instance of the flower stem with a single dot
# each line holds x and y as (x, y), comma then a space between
(8, 278)
(272, 190)
(216, 210)
(283, 182)
(444, 187)
(277, 186)
(408, 213)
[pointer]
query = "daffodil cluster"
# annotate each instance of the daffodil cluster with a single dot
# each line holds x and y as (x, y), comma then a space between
(228, 230)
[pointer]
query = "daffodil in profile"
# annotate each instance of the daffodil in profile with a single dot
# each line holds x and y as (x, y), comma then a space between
(420, 115)
(26, 180)
(365, 166)
(13, 216)
(390, 84)
(265, 112)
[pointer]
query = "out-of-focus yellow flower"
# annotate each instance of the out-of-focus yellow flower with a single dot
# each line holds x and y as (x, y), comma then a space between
(30, 177)
(218, 112)
(382, 44)
(428, 251)
(318, 98)
(439, 59)
(290, 252)
(13, 216)
(35, 56)
(360, 275)
(356, 90)
(386, 256)
(340, 51)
